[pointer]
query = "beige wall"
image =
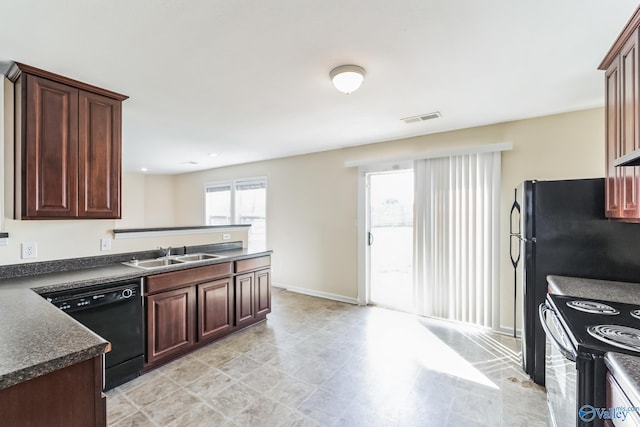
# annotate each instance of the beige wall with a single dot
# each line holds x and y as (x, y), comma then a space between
(74, 238)
(312, 199)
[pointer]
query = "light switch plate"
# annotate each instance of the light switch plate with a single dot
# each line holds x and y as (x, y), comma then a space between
(105, 244)
(29, 250)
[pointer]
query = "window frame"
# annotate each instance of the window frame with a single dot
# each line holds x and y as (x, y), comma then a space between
(233, 183)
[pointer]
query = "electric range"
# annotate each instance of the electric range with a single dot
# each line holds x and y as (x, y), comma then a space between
(579, 332)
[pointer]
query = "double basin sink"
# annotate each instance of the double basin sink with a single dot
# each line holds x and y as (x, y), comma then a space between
(172, 260)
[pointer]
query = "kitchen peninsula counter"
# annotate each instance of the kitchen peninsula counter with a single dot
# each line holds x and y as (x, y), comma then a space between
(626, 370)
(37, 338)
(605, 290)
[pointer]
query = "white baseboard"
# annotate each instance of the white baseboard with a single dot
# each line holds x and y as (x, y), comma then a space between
(313, 293)
(506, 330)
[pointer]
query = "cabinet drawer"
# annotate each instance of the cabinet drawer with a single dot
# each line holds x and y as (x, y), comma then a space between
(253, 264)
(175, 279)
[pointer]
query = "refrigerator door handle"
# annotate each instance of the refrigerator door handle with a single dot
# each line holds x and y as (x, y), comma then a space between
(515, 208)
(514, 259)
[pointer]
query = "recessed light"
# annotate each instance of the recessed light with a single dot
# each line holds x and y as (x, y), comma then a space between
(213, 154)
(143, 169)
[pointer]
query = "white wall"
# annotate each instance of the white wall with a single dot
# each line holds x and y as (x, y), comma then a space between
(312, 199)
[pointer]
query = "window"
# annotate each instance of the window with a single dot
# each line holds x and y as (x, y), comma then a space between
(243, 201)
(218, 204)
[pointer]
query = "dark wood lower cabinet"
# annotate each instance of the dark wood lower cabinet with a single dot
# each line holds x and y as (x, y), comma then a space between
(215, 309)
(263, 293)
(69, 397)
(170, 323)
(190, 307)
(245, 300)
(253, 296)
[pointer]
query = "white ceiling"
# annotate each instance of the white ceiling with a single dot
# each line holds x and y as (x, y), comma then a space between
(249, 79)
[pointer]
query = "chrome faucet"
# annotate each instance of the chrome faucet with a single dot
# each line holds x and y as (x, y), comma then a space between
(165, 251)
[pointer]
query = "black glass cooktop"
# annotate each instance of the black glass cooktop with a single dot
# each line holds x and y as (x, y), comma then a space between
(584, 328)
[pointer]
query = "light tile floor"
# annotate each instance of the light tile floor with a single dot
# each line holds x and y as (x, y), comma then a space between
(317, 362)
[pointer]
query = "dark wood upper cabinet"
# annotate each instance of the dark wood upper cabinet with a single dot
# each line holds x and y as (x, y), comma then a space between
(622, 123)
(49, 150)
(612, 141)
(68, 147)
(99, 156)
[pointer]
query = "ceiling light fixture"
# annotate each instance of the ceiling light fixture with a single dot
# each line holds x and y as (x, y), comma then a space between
(143, 169)
(347, 78)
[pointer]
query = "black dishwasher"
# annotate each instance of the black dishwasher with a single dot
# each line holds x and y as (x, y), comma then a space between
(114, 311)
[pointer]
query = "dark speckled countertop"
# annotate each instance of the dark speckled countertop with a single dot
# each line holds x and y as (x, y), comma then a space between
(595, 289)
(36, 338)
(626, 370)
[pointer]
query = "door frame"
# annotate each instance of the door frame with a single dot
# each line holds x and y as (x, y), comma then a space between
(363, 221)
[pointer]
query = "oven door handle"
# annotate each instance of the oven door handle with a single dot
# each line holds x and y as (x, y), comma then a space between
(569, 353)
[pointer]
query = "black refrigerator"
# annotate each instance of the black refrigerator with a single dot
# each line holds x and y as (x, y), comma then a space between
(558, 227)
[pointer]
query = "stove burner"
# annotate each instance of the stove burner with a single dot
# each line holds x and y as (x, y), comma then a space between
(616, 335)
(636, 314)
(592, 307)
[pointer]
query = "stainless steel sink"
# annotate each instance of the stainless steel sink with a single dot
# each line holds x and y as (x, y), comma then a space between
(174, 260)
(199, 257)
(154, 263)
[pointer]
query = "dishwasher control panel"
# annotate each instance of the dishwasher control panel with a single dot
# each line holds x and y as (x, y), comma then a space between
(83, 300)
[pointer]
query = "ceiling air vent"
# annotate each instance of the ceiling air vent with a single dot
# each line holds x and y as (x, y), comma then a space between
(422, 117)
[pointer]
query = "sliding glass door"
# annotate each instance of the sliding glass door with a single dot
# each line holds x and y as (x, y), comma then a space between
(390, 239)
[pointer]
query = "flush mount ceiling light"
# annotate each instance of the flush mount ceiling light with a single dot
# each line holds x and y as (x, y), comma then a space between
(347, 78)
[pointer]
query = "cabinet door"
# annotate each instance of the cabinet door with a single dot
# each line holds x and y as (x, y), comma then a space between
(629, 127)
(69, 397)
(263, 293)
(612, 141)
(99, 156)
(245, 306)
(170, 318)
(215, 308)
(49, 151)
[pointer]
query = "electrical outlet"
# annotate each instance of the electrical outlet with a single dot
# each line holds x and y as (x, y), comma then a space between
(29, 250)
(105, 244)
(226, 236)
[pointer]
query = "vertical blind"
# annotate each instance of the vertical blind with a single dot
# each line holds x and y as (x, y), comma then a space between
(456, 237)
